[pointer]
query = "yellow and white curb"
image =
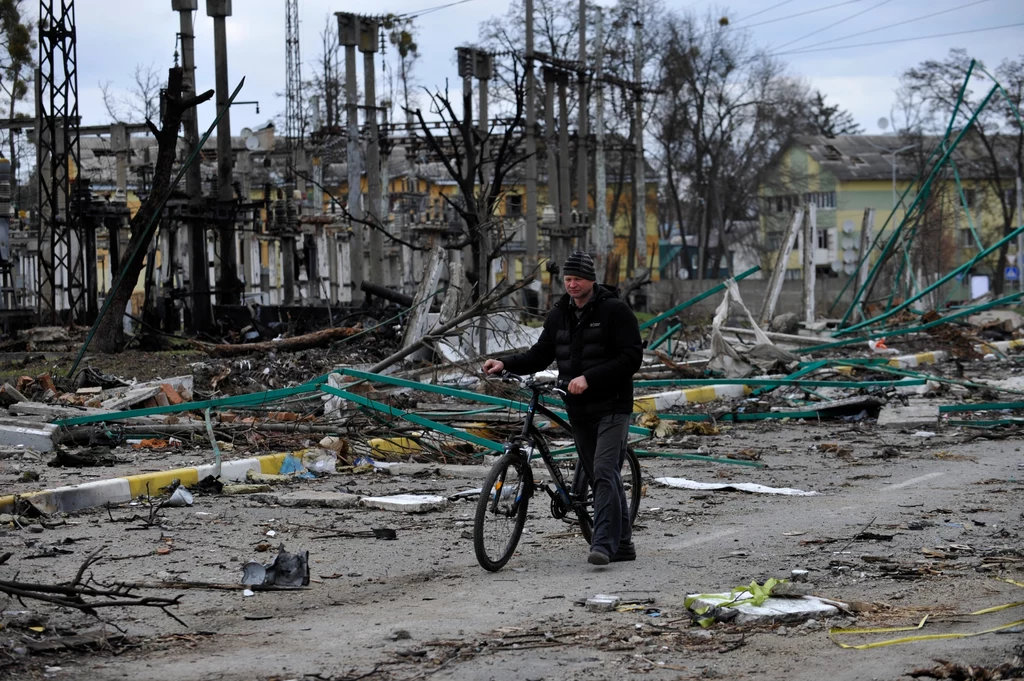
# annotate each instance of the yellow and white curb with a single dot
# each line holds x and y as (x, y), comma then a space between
(1000, 346)
(122, 490)
(675, 398)
(910, 361)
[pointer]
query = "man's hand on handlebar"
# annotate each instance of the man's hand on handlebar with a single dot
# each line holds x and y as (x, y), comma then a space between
(493, 366)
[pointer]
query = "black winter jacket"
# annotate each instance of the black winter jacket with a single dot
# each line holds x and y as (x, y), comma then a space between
(603, 345)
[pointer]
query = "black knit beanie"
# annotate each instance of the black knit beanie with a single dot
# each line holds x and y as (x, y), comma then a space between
(580, 265)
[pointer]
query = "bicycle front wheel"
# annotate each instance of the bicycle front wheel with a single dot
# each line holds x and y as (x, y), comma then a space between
(501, 510)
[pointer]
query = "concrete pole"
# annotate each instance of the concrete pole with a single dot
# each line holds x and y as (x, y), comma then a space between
(639, 181)
(348, 36)
(550, 144)
(485, 187)
(564, 186)
(228, 284)
(368, 46)
(603, 235)
(531, 148)
(550, 138)
(810, 273)
(867, 228)
(582, 157)
(198, 266)
(1020, 238)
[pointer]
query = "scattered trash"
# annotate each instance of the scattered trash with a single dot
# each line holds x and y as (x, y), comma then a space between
(602, 603)
(408, 503)
(683, 483)
(285, 570)
(180, 497)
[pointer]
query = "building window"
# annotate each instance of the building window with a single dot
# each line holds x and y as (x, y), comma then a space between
(965, 239)
(970, 197)
(514, 205)
(823, 238)
(823, 200)
(1010, 198)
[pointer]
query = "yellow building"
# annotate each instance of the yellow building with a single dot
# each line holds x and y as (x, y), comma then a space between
(844, 175)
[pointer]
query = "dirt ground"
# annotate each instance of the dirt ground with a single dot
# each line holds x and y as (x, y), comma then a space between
(903, 526)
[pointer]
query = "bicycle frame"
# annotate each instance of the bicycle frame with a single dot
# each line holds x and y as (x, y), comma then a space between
(526, 436)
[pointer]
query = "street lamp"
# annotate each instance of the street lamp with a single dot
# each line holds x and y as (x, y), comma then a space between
(892, 152)
(893, 164)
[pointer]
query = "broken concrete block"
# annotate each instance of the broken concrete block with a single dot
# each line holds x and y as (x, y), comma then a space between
(407, 503)
(131, 398)
(28, 434)
(913, 416)
(309, 499)
(9, 395)
(772, 610)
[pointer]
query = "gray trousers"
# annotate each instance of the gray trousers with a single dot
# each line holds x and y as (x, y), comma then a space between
(601, 444)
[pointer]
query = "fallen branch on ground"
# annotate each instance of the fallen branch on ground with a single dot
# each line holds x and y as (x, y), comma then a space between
(73, 594)
(317, 339)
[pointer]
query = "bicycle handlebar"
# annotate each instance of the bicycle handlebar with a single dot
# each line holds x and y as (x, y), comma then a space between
(558, 387)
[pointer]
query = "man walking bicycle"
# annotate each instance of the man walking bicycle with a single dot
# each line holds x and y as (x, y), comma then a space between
(594, 338)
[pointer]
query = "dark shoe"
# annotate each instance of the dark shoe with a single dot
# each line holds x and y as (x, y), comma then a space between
(625, 552)
(597, 557)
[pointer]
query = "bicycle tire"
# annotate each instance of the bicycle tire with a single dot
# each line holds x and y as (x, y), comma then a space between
(501, 515)
(634, 485)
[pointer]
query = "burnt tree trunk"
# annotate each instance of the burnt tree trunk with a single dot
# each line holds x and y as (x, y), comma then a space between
(110, 331)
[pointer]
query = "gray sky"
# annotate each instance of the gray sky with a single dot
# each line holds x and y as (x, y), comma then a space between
(115, 35)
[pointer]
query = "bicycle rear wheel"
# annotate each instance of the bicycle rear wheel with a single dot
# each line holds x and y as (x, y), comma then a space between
(632, 482)
(501, 510)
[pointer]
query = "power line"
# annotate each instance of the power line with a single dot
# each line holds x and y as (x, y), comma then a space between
(834, 24)
(801, 14)
(414, 15)
(898, 23)
(767, 9)
(901, 40)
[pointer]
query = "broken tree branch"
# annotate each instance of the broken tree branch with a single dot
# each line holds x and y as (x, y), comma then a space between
(317, 339)
(479, 308)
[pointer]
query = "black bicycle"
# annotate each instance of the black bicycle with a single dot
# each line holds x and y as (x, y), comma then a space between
(508, 487)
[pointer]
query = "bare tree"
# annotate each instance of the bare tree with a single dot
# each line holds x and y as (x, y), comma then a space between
(401, 35)
(327, 81)
(994, 149)
(726, 109)
(110, 331)
(465, 153)
(142, 101)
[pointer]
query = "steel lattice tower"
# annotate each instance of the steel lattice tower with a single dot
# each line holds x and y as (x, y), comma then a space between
(293, 75)
(62, 248)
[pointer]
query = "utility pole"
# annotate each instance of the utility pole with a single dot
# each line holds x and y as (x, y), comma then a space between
(602, 233)
(564, 185)
(228, 284)
(810, 270)
(1020, 237)
(582, 157)
(551, 144)
(348, 36)
(531, 148)
(368, 29)
(199, 259)
(639, 181)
